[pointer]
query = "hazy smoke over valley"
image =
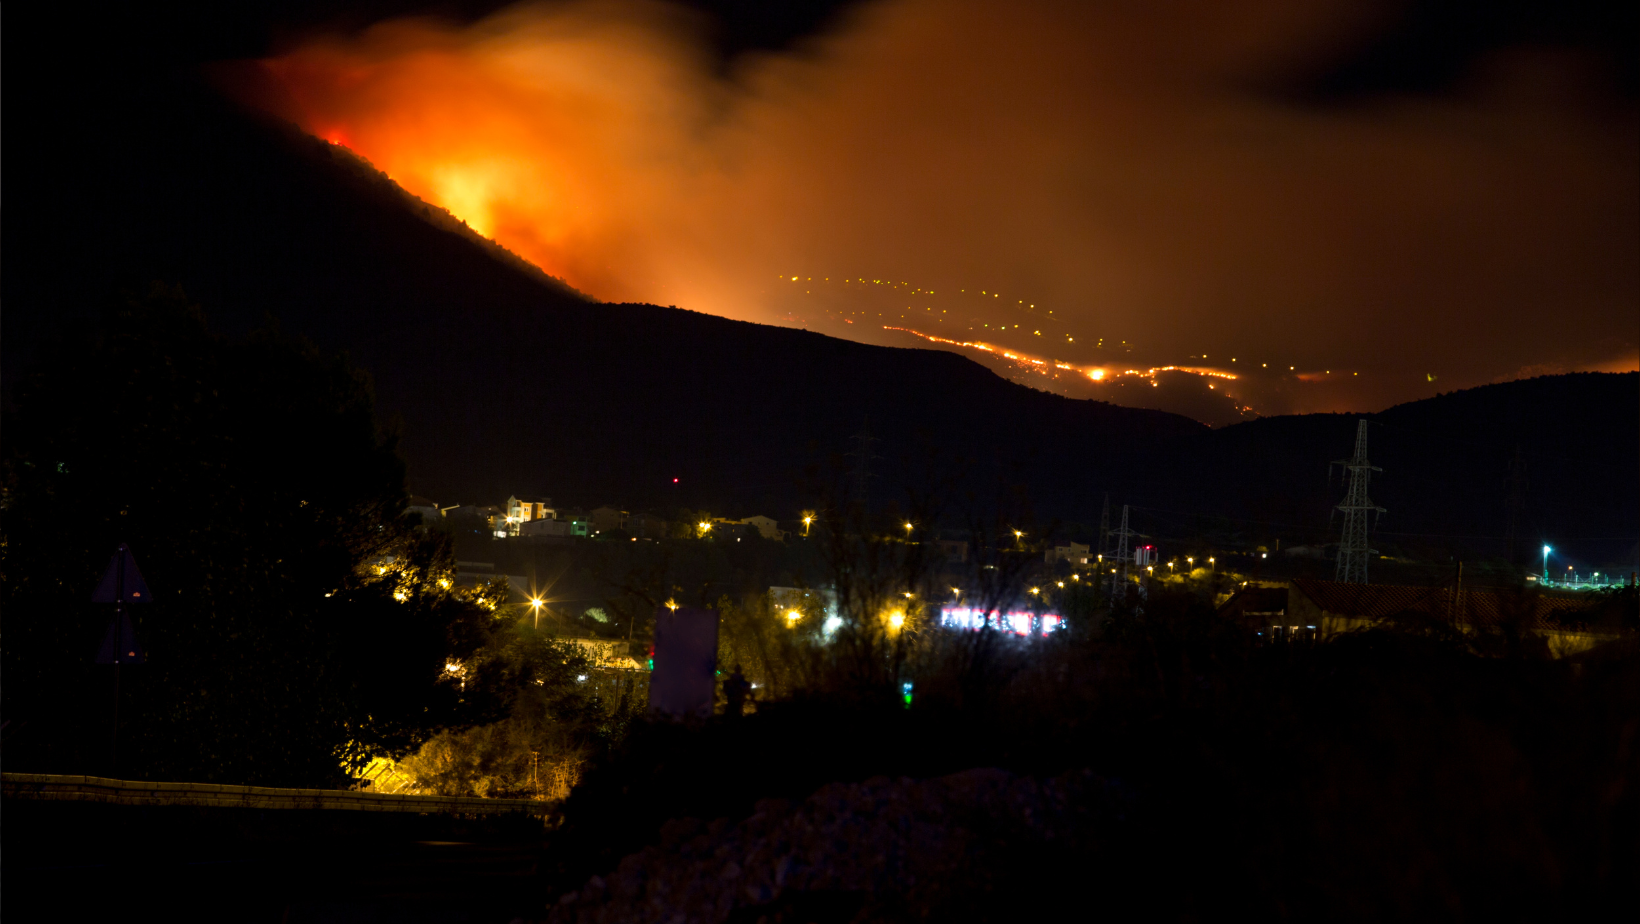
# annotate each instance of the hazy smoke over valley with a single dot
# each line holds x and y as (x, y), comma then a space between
(1102, 187)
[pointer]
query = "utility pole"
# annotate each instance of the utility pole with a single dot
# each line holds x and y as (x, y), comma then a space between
(1104, 524)
(1353, 553)
(1119, 580)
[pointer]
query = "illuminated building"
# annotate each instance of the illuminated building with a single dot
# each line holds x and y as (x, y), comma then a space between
(521, 510)
(1014, 621)
(1076, 553)
(766, 527)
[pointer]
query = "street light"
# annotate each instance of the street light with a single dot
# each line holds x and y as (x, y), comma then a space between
(1546, 551)
(908, 529)
(1210, 561)
(535, 604)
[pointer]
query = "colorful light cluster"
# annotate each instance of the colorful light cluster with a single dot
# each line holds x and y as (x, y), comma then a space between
(1017, 622)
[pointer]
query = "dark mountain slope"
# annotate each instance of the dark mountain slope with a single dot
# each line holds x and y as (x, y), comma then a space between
(504, 381)
(1446, 461)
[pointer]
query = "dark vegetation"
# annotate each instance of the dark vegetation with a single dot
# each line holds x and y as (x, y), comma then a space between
(299, 623)
(1394, 773)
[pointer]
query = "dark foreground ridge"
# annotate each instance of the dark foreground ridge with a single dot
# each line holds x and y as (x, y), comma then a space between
(859, 851)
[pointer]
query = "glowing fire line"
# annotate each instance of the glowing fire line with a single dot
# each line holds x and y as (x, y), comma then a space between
(1096, 373)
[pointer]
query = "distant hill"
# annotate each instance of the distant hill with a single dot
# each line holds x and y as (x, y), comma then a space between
(1446, 461)
(506, 382)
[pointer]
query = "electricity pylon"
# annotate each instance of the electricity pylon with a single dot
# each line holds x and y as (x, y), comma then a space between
(1353, 553)
(1118, 581)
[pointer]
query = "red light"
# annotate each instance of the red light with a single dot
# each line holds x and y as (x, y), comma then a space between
(674, 481)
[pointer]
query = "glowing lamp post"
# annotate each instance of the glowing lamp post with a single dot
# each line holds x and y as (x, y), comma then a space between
(1546, 551)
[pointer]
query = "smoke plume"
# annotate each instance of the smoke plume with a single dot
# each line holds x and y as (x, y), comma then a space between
(1105, 186)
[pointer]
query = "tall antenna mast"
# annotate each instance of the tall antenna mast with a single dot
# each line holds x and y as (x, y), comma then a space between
(1353, 553)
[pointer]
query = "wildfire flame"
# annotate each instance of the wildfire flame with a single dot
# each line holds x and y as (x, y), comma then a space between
(1040, 364)
(543, 130)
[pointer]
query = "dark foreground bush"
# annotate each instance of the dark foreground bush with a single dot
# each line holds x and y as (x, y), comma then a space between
(1380, 775)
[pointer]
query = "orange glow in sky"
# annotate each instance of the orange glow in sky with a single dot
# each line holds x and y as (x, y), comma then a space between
(534, 133)
(1112, 162)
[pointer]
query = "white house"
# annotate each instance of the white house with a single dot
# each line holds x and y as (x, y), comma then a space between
(767, 528)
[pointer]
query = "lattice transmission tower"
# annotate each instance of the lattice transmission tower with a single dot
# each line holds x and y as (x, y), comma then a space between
(1353, 551)
(1119, 580)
